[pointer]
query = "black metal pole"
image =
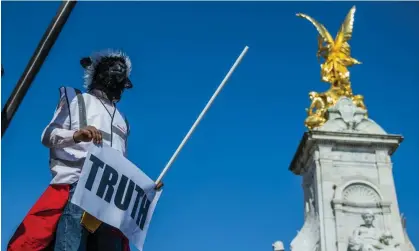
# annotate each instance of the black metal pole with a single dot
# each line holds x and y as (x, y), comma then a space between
(34, 65)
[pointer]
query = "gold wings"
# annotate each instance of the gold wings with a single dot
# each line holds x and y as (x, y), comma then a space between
(345, 31)
(320, 28)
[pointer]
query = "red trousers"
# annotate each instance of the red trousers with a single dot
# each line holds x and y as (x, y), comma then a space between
(37, 231)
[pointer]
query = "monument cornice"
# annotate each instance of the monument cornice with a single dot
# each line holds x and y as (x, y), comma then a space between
(315, 138)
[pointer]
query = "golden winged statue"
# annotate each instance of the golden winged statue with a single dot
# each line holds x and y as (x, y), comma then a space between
(334, 70)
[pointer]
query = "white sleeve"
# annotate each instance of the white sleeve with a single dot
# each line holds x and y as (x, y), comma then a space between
(58, 134)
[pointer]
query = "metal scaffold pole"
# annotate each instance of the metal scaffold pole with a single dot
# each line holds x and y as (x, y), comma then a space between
(35, 63)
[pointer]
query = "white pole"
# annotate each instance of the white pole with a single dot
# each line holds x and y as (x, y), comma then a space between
(188, 135)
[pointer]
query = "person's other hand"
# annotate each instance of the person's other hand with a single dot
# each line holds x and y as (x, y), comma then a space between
(159, 186)
(87, 134)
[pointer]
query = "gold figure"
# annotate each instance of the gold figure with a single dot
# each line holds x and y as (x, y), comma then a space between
(317, 109)
(334, 70)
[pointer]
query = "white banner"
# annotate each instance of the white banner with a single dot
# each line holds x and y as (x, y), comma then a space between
(115, 191)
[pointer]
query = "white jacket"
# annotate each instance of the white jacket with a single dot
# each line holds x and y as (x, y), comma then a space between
(75, 111)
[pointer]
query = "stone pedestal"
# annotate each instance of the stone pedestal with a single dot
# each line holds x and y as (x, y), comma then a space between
(349, 192)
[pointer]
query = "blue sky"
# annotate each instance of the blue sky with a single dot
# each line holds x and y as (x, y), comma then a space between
(230, 188)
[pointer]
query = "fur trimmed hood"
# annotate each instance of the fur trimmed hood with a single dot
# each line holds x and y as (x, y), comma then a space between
(90, 64)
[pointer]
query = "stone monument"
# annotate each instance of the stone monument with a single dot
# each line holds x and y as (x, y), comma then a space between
(345, 163)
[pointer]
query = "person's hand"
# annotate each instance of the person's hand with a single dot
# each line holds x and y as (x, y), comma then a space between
(159, 186)
(87, 134)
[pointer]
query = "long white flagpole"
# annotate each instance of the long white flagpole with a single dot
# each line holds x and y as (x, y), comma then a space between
(188, 135)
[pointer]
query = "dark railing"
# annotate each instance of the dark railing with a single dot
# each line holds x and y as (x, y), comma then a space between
(35, 63)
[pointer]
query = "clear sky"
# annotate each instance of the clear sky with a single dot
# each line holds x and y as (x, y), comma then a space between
(230, 188)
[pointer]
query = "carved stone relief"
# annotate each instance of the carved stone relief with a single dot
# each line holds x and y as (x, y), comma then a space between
(367, 237)
(357, 195)
(308, 238)
(309, 191)
(346, 117)
(362, 218)
(360, 193)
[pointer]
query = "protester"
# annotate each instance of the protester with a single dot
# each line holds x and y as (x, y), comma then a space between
(54, 223)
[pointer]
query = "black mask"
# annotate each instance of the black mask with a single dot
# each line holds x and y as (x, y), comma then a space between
(109, 74)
